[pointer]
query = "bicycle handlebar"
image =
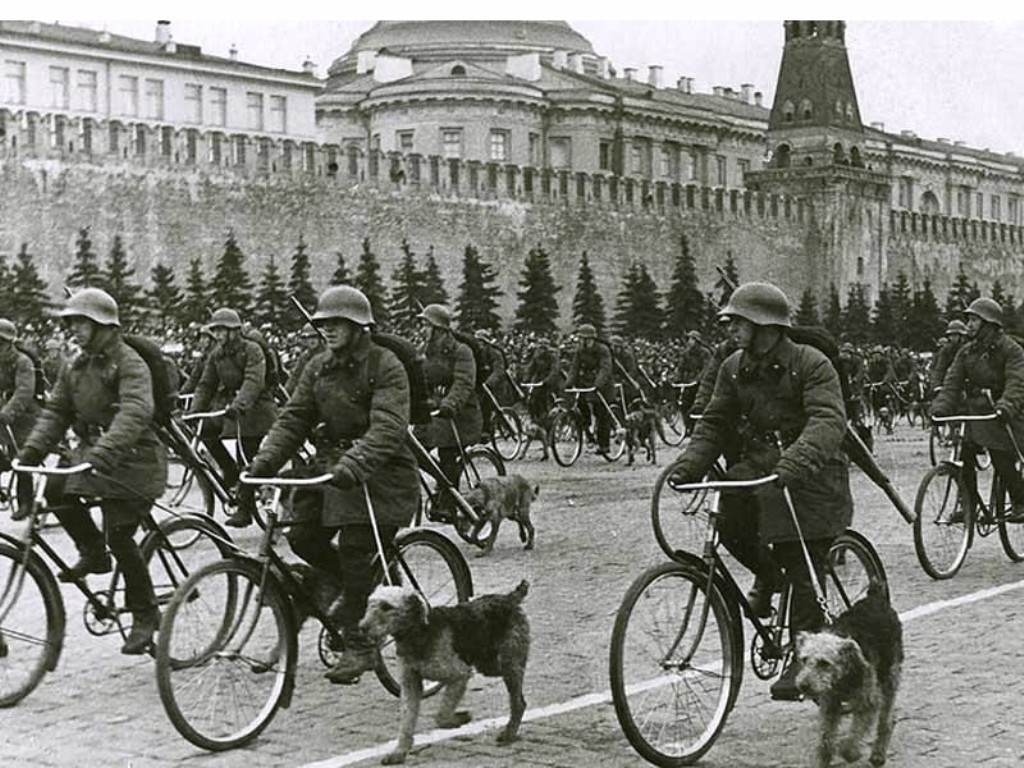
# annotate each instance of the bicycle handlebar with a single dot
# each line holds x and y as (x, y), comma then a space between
(40, 469)
(681, 385)
(204, 415)
(248, 479)
(719, 485)
(580, 390)
(965, 417)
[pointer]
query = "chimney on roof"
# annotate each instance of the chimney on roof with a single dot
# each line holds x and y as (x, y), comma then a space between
(629, 73)
(309, 67)
(104, 36)
(878, 126)
(163, 32)
(717, 90)
(943, 140)
(758, 98)
(959, 143)
(747, 92)
(654, 75)
(233, 52)
(604, 67)
(576, 63)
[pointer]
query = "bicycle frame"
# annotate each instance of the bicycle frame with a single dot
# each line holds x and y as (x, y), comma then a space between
(190, 447)
(427, 463)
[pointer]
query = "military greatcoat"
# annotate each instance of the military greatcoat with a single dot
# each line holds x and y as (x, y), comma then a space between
(450, 373)
(791, 398)
(17, 391)
(235, 374)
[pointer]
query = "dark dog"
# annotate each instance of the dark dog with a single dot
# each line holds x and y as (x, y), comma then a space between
(489, 634)
(853, 668)
(322, 588)
(641, 429)
(498, 498)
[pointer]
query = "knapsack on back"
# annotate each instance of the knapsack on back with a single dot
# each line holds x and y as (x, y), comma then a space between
(165, 387)
(42, 385)
(273, 370)
(480, 356)
(412, 361)
(824, 342)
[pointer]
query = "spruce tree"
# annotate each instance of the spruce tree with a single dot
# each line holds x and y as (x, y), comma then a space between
(857, 315)
(196, 302)
(901, 298)
(884, 323)
(477, 303)
(925, 324)
(687, 306)
(406, 298)
(271, 303)
(587, 304)
(537, 311)
(231, 286)
(164, 296)
(960, 295)
(6, 288)
(728, 280)
(117, 279)
(433, 291)
(369, 281)
(636, 307)
(1002, 298)
(833, 319)
(85, 270)
(300, 286)
(807, 314)
(28, 300)
(340, 276)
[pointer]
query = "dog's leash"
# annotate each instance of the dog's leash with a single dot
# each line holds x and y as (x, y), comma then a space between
(376, 537)
(818, 592)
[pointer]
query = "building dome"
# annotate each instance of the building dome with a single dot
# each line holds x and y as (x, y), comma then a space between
(480, 40)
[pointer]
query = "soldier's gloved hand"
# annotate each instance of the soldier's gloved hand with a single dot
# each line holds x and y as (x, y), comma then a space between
(680, 476)
(31, 457)
(6, 418)
(445, 411)
(940, 412)
(786, 477)
(1002, 415)
(232, 412)
(260, 468)
(343, 477)
(100, 466)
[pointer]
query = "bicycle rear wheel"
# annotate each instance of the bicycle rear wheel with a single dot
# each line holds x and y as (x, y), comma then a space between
(1011, 535)
(617, 439)
(944, 528)
(431, 564)
(565, 437)
(226, 655)
(676, 663)
(187, 492)
(853, 565)
(181, 548)
(671, 426)
(508, 437)
(32, 623)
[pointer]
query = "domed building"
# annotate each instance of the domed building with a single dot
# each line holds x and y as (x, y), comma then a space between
(483, 106)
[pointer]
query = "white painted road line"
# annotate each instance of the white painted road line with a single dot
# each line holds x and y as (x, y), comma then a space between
(594, 699)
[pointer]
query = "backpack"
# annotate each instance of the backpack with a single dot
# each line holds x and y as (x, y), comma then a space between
(273, 370)
(165, 383)
(42, 385)
(480, 357)
(819, 338)
(412, 361)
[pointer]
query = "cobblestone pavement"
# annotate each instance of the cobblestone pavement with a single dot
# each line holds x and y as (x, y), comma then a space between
(959, 705)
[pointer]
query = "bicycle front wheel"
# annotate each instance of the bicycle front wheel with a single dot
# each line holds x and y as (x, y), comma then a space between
(676, 663)
(617, 439)
(179, 549)
(671, 425)
(508, 437)
(32, 623)
(853, 565)
(226, 655)
(431, 564)
(944, 528)
(565, 437)
(679, 518)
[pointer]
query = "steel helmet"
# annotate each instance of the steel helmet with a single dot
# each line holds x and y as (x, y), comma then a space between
(346, 303)
(7, 330)
(760, 303)
(956, 326)
(988, 310)
(224, 318)
(99, 306)
(586, 331)
(437, 315)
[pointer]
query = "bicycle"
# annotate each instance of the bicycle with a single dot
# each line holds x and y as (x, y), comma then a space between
(569, 427)
(535, 428)
(948, 436)
(228, 645)
(674, 423)
(476, 462)
(676, 658)
(32, 610)
(949, 514)
(507, 437)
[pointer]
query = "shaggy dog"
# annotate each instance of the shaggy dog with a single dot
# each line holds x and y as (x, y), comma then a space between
(538, 433)
(498, 498)
(641, 429)
(853, 668)
(489, 633)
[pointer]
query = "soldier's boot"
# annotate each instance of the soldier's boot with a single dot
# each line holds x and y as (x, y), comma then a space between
(140, 639)
(90, 560)
(359, 656)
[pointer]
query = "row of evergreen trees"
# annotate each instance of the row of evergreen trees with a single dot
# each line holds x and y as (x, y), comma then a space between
(906, 317)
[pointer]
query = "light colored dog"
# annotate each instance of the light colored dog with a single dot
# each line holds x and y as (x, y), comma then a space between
(500, 498)
(853, 669)
(489, 634)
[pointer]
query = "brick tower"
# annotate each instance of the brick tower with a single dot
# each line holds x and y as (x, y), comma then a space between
(815, 143)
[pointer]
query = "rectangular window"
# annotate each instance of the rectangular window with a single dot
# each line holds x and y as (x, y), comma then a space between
(139, 134)
(166, 141)
(57, 132)
(604, 156)
(561, 152)
(114, 139)
(278, 114)
(86, 92)
(254, 111)
(191, 145)
(403, 140)
(128, 89)
(721, 171)
(309, 158)
(60, 94)
(694, 163)
(995, 208)
(963, 202)
(218, 106)
(193, 104)
(14, 82)
(1013, 210)
(85, 135)
(155, 99)
(239, 145)
(451, 143)
(534, 149)
(216, 148)
(666, 166)
(979, 205)
(742, 169)
(499, 146)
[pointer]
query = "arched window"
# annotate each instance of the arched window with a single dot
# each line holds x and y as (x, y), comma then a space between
(930, 203)
(839, 108)
(788, 110)
(838, 155)
(782, 156)
(458, 70)
(849, 112)
(806, 109)
(855, 159)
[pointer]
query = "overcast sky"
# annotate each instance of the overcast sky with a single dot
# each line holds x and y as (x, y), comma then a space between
(961, 80)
